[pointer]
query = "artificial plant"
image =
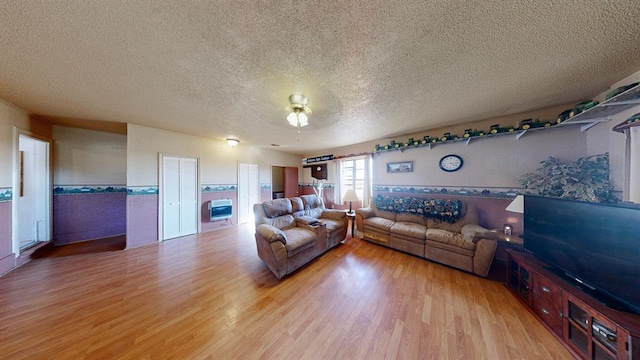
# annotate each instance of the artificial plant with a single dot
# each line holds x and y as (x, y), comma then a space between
(586, 179)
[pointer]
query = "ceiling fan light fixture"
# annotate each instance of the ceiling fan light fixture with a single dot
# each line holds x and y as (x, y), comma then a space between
(293, 119)
(299, 115)
(303, 119)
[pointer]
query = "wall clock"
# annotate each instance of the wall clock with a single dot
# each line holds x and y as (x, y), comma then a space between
(451, 163)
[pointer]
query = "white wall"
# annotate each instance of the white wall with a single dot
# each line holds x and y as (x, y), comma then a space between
(218, 161)
(489, 162)
(87, 157)
(11, 116)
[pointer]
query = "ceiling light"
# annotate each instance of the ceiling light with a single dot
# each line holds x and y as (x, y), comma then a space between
(233, 142)
(298, 111)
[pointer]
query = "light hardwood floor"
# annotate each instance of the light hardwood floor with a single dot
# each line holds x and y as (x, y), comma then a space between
(210, 297)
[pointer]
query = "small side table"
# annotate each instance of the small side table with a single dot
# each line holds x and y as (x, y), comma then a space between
(352, 222)
(510, 241)
(499, 267)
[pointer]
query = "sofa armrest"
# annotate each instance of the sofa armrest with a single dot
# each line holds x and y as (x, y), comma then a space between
(483, 257)
(365, 213)
(271, 233)
(473, 232)
(334, 214)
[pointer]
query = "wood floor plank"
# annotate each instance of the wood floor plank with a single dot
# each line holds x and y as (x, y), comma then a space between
(209, 296)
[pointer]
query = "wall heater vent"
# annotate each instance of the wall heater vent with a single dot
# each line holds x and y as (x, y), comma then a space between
(220, 209)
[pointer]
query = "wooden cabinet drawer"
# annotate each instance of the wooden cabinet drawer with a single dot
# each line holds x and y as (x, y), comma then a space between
(546, 290)
(550, 315)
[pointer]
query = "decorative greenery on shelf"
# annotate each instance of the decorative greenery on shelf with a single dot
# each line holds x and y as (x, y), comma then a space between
(427, 140)
(586, 179)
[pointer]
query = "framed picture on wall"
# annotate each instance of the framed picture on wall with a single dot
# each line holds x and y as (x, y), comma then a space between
(400, 167)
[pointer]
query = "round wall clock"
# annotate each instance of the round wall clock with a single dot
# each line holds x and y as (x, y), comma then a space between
(451, 163)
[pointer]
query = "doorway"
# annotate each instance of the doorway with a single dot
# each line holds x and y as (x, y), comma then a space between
(179, 197)
(32, 192)
(284, 181)
(248, 191)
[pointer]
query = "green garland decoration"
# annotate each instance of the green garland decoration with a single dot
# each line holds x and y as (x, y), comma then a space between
(448, 211)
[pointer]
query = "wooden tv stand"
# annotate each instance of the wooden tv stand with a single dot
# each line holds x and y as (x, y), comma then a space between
(585, 326)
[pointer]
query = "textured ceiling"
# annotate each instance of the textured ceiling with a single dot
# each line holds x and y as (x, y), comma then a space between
(371, 69)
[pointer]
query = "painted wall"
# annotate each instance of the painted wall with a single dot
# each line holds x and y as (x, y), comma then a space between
(218, 175)
(89, 184)
(88, 157)
(277, 179)
(10, 117)
(492, 166)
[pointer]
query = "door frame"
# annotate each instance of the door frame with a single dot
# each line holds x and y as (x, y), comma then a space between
(161, 157)
(48, 200)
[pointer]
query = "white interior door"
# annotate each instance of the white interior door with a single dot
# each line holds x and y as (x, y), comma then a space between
(248, 191)
(179, 197)
(32, 193)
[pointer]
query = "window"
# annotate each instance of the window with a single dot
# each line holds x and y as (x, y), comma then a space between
(354, 174)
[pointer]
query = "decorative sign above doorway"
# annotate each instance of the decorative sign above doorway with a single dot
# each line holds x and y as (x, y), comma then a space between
(317, 159)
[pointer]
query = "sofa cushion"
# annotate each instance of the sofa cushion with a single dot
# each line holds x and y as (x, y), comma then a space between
(296, 205)
(311, 201)
(386, 214)
(283, 222)
(299, 239)
(277, 207)
(312, 205)
(409, 229)
(380, 223)
(411, 218)
(451, 238)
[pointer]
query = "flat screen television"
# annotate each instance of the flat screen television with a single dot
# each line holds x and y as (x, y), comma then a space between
(596, 246)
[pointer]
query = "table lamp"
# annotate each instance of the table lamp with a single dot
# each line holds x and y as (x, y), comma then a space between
(350, 196)
(516, 206)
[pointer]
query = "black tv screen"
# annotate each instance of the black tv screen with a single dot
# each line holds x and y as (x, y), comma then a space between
(596, 245)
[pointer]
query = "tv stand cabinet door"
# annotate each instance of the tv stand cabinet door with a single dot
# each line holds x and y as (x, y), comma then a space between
(520, 280)
(592, 335)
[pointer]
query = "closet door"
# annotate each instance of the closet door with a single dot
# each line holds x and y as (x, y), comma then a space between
(179, 197)
(248, 191)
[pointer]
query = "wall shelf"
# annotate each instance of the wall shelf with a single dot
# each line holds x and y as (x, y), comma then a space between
(586, 119)
(606, 109)
(517, 133)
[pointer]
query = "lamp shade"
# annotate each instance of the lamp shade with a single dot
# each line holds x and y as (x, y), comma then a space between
(517, 205)
(350, 196)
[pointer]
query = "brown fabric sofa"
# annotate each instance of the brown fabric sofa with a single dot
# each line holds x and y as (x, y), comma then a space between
(291, 232)
(463, 244)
